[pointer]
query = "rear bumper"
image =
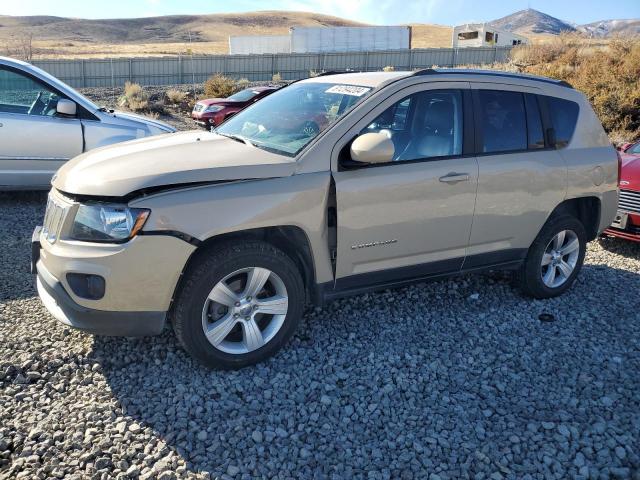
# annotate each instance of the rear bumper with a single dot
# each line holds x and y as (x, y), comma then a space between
(58, 302)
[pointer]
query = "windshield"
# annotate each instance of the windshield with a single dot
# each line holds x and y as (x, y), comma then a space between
(243, 95)
(287, 120)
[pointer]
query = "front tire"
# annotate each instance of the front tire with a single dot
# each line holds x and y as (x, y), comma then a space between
(239, 304)
(555, 258)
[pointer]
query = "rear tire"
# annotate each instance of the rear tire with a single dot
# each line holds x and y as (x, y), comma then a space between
(239, 304)
(554, 258)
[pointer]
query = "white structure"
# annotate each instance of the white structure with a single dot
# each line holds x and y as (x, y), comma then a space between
(349, 39)
(324, 39)
(259, 44)
(484, 35)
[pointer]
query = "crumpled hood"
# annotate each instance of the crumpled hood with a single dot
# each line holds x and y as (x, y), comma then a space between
(163, 160)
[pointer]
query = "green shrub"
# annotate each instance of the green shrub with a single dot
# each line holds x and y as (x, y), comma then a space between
(219, 86)
(175, 97)
(134, 98)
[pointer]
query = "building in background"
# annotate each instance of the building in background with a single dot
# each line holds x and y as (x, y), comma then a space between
(324, 39)
(484, 35)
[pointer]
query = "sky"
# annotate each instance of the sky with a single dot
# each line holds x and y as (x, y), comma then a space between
(380, 12)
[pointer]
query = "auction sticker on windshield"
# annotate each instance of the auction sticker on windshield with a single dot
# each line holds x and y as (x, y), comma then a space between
(348, 90)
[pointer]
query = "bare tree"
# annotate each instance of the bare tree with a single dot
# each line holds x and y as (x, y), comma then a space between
(20, 47)
(25, 42)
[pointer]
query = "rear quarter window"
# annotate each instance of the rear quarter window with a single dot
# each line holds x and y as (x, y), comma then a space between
(564, 116)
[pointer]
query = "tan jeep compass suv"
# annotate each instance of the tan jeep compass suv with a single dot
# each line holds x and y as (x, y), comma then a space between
(393, 177)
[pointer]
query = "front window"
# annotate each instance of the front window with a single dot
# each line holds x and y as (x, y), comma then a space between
(635, 148)
(23, 95)
(287, 120)
(422, 126)
(243, 95)
(467, 35)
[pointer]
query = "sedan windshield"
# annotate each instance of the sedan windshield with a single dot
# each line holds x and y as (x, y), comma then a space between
(243, 95)
(287, 120)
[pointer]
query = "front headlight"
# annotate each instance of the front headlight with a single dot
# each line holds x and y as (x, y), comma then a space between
(213, 108)
(107, 223)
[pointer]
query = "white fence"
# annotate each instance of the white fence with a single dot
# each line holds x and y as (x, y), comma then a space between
(190, 69)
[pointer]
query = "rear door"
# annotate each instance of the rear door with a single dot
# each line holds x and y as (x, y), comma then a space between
(411, 217)
(521, 177)
(34, 140)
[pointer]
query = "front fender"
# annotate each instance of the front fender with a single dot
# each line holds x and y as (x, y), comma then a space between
(207, 211)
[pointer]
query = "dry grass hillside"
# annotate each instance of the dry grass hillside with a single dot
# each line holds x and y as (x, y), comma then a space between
(430, 36)
(57, 37)
(608, 75)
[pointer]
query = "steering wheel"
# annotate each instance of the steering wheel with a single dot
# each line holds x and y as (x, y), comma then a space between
(35, 102)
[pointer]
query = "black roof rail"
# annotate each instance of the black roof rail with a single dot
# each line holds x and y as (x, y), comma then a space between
(496, 73)
(335, 72)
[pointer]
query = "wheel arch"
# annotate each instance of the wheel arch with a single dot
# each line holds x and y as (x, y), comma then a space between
(585, 209)
(291, 239)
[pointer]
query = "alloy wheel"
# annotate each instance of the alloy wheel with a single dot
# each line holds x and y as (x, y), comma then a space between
(245, 310)
(560, 258)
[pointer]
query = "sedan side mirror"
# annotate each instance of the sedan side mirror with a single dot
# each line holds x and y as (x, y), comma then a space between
(66, 107)
(373, 148)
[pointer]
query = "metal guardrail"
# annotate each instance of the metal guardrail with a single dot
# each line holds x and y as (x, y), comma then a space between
(113, 72)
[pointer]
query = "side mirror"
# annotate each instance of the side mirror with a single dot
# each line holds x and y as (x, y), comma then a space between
(66, 107)
(373, 148)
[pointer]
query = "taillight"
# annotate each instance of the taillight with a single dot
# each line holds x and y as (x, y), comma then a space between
(619, 167)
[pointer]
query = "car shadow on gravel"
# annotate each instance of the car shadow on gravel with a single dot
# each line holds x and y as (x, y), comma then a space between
(620, 246)
(430, 377)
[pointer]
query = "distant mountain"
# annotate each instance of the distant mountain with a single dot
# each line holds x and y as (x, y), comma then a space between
(532, 21)
(606, 28)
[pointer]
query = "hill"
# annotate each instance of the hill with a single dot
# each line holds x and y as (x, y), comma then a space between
(70, 37)
(532, 21)
(59, 37)
(607, 28)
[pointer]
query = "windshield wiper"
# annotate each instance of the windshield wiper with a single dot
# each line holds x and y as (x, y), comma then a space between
(238, 138)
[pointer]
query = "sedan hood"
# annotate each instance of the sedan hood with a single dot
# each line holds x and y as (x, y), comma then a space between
(630, 177)
(146, 120)
(164, 160)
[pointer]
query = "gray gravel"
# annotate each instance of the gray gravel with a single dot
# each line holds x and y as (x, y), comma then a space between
(454, 379)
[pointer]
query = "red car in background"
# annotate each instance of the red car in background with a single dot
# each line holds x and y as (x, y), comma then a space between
(212, 112)
(627, 222)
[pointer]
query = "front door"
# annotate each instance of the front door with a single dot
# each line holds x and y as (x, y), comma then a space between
(34, 140)
(412, 217)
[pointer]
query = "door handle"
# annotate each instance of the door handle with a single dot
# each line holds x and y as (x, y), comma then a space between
(454, 177)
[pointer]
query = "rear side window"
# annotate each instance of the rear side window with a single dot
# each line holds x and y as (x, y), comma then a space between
(564, 116)
(534, 123)
(503, 121)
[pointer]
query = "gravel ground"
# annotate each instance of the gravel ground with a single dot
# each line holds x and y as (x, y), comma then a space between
(454, 379)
